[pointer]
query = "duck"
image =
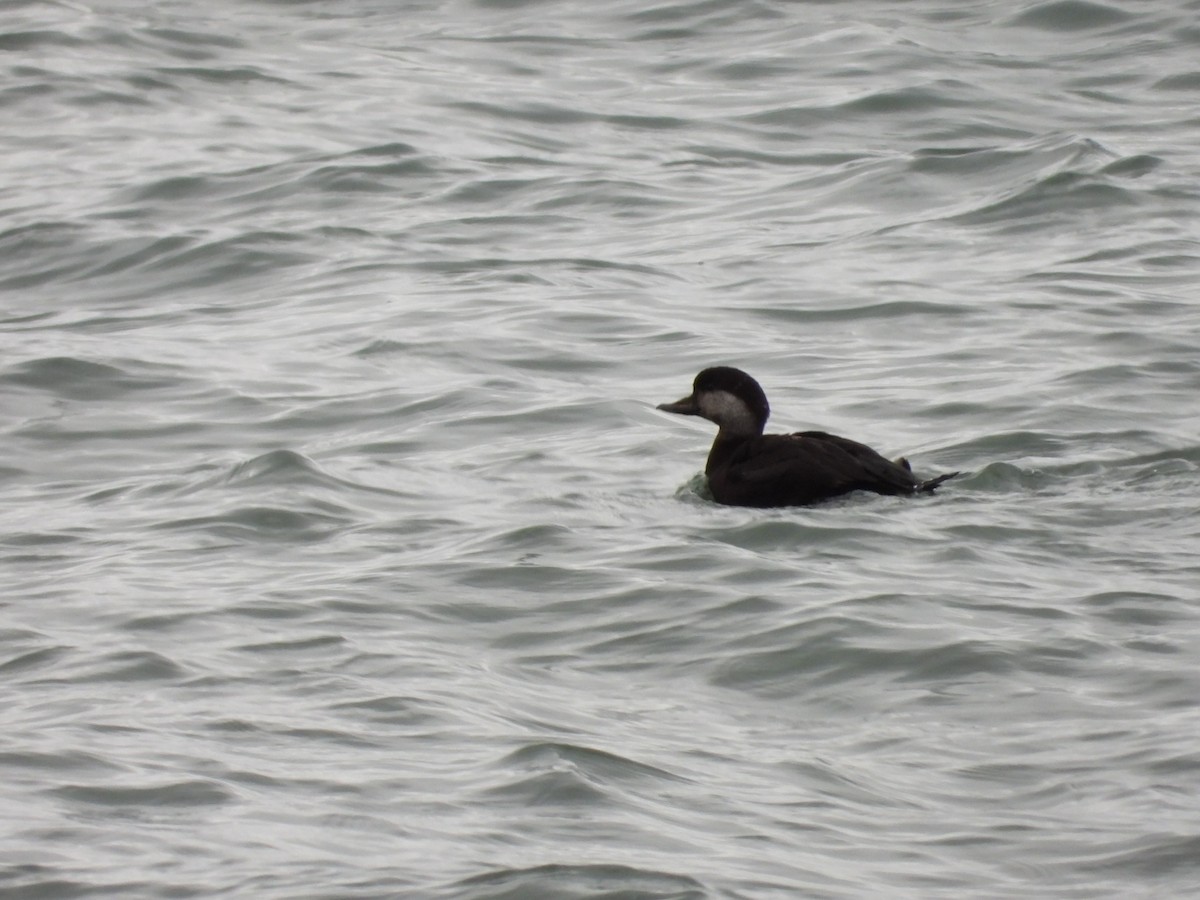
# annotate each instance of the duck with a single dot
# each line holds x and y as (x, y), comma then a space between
(748, 468)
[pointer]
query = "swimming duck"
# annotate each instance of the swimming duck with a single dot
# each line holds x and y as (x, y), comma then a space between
(748, 468)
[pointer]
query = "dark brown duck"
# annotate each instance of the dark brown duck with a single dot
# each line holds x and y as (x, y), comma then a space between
(748, 468)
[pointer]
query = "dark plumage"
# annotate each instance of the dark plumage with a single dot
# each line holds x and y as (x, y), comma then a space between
(748, 468)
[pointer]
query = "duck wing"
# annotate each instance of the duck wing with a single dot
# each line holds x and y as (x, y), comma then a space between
(884, 473)
(897, 472)
(799, 469)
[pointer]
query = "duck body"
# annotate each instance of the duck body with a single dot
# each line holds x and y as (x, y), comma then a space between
(748, 468)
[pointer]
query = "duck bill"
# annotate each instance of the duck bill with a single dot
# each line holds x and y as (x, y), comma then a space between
(685, 407)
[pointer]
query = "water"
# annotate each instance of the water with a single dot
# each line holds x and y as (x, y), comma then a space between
(344, 554)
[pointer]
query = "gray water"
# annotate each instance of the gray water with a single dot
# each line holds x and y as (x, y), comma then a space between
(344, 553)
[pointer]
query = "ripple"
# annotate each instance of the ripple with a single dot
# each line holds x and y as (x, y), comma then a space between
(831, 656)
(567, 882)
(34, 659)
(263, 523)
(81, 379)
(279, 467)
(15, 41)
(1071, 15)
(592, 763)
(180, 794)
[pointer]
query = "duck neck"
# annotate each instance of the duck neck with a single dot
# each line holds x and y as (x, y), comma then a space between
(724, 446)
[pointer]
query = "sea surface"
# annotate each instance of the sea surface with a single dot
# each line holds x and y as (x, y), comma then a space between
(343, 553)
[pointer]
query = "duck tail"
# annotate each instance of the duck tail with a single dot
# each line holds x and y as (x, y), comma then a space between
(928, 487)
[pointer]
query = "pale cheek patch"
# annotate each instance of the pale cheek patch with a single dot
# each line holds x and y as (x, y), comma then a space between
(728, 411)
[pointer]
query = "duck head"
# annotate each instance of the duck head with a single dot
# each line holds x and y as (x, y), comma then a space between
(728, 397)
